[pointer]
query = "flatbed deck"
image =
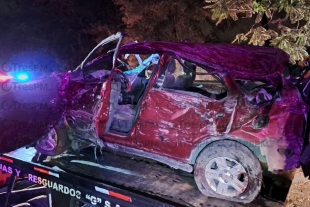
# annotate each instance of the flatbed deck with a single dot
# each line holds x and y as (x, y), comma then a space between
(116, 179)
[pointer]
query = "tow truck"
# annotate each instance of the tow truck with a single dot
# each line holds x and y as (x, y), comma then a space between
(115, 180)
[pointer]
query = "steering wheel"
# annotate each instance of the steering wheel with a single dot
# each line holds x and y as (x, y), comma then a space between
(123, 78)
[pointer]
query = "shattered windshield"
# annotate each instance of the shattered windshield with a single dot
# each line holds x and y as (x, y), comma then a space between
(99, 68)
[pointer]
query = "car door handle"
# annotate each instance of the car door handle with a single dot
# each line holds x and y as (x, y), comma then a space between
(220, 115)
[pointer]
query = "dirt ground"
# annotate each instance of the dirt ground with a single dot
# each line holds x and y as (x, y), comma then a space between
(299, 193)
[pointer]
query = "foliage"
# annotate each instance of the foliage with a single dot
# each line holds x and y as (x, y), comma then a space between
(287, 25)
(72, 27)
(173, 20)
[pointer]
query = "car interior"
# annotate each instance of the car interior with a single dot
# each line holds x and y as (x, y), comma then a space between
(181, 77)
(187, 76)
(125, 109)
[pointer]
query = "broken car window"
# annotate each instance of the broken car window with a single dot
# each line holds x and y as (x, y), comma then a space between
(188, 76)
(99, 68)
(257, 92)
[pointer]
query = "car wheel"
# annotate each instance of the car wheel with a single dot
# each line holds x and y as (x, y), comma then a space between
(55, 142)
(228, 170)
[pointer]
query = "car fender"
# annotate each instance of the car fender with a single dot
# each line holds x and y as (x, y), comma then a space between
(201, 145)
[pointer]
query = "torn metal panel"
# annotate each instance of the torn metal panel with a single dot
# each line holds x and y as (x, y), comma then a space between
(281, 141)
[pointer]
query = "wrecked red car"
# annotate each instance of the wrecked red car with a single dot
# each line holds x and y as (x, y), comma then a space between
(220, 111)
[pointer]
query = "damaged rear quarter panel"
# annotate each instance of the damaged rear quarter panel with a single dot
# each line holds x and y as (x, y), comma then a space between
(281, 141)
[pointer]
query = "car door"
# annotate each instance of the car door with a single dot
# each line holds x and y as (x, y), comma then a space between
(177, 112)
(105, 107)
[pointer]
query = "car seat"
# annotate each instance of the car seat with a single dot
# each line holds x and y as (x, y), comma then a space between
(183, 82)
(140, 83)
(169, 78)
(115, 92)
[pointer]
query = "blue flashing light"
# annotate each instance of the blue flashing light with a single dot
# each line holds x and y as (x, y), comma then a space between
(22, 77)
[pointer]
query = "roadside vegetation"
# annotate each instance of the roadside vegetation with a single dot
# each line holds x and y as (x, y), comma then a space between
(72, 27)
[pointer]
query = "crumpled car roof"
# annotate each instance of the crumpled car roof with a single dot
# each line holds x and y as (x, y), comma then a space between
(241, 61)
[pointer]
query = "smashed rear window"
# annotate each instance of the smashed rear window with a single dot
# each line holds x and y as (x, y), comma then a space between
(258, 92)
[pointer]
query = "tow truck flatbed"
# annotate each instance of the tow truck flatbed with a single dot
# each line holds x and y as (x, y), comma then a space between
(114, 180)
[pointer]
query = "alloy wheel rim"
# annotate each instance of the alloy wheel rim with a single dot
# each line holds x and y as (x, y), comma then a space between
(226, 176)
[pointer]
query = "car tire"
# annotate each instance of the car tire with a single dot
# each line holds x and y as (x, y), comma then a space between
(228, 170)
(60, 138)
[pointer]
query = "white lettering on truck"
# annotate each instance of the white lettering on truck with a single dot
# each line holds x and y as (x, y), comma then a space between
(55, 186)
(8, 169)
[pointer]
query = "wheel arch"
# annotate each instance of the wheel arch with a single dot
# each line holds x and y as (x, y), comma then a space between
(203, 144)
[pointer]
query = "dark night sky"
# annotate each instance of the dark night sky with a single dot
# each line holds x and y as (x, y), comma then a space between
(59, 26)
